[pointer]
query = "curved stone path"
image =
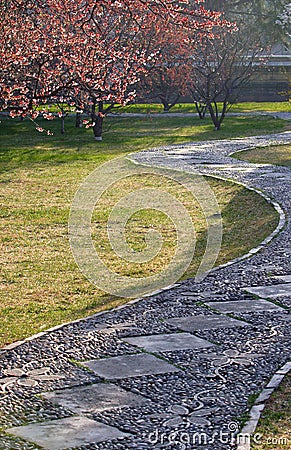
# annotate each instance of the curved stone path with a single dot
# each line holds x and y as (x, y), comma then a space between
(174, 370)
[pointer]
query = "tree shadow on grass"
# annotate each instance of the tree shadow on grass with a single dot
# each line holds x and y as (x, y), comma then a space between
(23, 146)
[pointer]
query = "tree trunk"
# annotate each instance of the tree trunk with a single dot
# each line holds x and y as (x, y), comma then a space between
(166, 105)
(62, 125)
(201, 109)
(97, 120)
(78, 120)
(214, 116)
(223, 113)
(166, 102)
(97, 127)
(101, 107)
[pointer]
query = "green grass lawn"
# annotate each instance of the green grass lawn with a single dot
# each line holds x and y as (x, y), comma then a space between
(277, 154)
(190, 107)
(40, 283)
(153, 108)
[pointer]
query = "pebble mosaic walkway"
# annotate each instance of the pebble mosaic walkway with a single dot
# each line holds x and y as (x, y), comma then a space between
(175, 370)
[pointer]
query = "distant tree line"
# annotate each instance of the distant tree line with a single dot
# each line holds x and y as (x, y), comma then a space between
(85, 54)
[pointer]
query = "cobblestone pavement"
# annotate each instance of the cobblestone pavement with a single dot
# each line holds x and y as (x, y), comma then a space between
(175, 370)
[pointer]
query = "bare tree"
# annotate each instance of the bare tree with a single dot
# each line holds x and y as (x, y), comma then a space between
(221, 66)
(165, 82)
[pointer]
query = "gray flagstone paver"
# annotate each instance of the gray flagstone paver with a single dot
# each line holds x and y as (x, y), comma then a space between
(244, 306)
(126, 366)
(64, 433)
(278, 290)
(94, 398)
(285, 278)
(195, 323)
(168, 342)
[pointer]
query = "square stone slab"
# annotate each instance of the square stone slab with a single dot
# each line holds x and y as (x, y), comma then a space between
(195, 323)
(94, 398)
(69, 432)
(275, 291)
(244, 306)
(129, 366)
(168, 342)
(285, 278)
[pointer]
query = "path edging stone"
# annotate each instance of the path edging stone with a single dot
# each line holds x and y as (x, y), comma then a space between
(255, 412)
